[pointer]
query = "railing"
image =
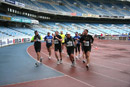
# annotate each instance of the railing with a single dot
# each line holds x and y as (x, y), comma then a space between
(34, 8)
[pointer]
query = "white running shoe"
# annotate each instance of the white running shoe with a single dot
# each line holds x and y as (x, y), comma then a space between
(36, 64)
(49, 57)
(79, 56)
(87, 66)
(76, 57)
(67, 56)
(41, 60)
(84, 61)
(58, 62)
(73, 64)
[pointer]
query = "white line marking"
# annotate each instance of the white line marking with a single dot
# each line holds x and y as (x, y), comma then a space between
(63, 73)
(80, 81)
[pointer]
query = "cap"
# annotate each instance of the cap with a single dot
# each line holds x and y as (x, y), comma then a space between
(68, 33)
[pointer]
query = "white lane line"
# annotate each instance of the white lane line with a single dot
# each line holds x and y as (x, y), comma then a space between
(61, 72)
(95, 72)
(80, 81)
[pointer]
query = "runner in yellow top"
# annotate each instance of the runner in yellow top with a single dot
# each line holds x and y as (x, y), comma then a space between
(37, 45)
(63, 40)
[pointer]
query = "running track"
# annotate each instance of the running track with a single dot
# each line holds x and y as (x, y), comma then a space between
(110, 67)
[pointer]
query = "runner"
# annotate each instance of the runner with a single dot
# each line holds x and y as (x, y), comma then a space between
(66, 48)
(57, 43)
(37, 46)
(77, 45)
(48, 40)
(63, 40)
(69, 43)
(87, 41)
(53, 38)
(84, 60)
(80, 34)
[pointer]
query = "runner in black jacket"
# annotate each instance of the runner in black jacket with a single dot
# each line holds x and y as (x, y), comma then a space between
(69, 43)
(57, 44)
(87, 42)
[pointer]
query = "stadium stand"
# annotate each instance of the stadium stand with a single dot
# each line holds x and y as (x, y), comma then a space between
(108, 29)
(23, 24)
(11, 32)
(83, 6)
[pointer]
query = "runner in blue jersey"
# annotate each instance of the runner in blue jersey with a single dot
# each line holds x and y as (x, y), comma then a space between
(49, 40)
(77, 44)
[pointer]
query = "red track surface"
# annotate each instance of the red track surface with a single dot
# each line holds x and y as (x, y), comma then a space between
(110, 67)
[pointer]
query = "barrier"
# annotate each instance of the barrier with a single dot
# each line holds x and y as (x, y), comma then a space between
(113, 38)
(10, 1)
(123, 38)
(128, 38)
(3, 42)
(8, 41)
(25, 40)
(23, 5)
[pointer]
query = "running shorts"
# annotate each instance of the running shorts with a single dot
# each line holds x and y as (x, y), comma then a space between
(48, 45)
(86, 49)
(37, 48)
(58, 48)
(70, 51)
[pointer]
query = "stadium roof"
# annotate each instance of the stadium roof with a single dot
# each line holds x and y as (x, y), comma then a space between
(125, 0)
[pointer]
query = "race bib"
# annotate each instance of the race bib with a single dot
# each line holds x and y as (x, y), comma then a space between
(76, 41)
(86, 43)
(56, 42)
(69, 44)
(49, 40)
(38, 40)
